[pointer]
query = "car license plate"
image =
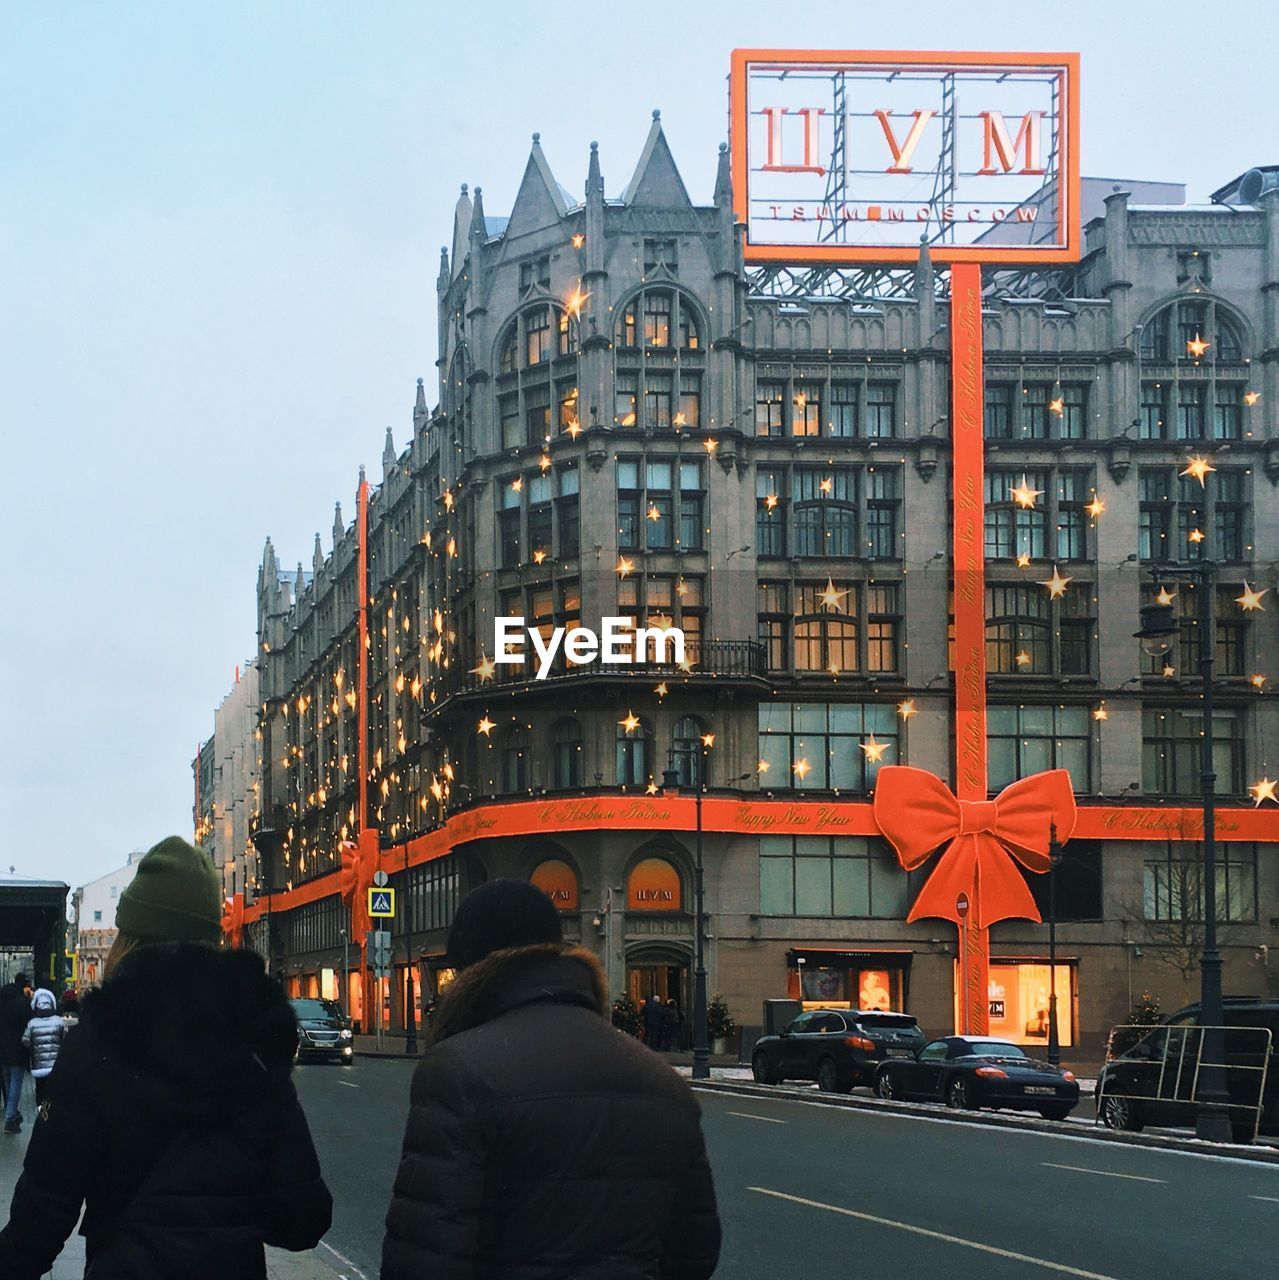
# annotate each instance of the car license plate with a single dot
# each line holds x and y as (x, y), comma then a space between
(899, 1053)
(1040, 1088)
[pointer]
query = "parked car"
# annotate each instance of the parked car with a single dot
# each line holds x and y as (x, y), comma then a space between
(1152, 1083)
(969, 1072)
(323, 1031)
(839, 1048)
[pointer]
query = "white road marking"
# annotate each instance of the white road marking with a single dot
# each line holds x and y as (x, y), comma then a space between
(748, 1115)
(1271, 1199)
(1104, 1173)
(1060, 1267)
(347, 1084)
(346, 1262)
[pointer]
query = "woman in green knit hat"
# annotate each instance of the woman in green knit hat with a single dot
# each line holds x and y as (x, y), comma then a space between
(170, 1115)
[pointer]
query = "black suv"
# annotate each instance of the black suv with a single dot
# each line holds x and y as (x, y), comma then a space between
(839, 1048)
(323, 1032)
(1153, 1082)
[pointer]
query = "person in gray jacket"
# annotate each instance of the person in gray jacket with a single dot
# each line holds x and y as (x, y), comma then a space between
(42, 1038)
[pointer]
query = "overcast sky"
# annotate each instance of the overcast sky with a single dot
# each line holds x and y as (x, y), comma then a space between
(220, 229)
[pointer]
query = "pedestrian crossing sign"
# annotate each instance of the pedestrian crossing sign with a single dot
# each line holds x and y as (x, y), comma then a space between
(381, 902)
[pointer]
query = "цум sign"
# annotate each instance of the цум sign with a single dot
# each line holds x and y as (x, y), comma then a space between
(856, 157)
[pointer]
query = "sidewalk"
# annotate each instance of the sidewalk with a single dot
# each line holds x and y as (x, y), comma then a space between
(318, 1264)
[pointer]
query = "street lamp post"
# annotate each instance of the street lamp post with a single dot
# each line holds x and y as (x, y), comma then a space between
(1054, 857)
(1158, 634)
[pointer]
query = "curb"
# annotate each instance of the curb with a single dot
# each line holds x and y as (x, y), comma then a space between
(993, 1120)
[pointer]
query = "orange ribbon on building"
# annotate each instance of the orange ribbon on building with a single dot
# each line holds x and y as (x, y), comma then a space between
(233, 920)
(360, 862)
(918, 812)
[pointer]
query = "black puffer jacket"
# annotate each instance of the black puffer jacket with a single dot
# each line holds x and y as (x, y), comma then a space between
(543, 1143)
(15, 1013)
(171, 1115)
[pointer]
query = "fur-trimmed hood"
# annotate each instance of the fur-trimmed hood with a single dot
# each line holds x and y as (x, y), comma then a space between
(200, 1029)
(548, 972)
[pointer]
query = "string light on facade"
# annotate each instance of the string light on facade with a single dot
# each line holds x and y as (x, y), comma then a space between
(1264, 790)
(1024, 495)
(1198, 468)
(1056, 584)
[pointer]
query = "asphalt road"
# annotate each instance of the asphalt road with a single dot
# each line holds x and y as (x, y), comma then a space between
(826, 1193)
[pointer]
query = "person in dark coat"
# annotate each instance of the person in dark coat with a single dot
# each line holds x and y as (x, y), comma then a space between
(541, 1142)
(15, 1013)
(654, 1022)
(673, 1035)
(170, 1114)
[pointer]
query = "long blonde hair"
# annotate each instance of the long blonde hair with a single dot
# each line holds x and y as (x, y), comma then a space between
(123, 944)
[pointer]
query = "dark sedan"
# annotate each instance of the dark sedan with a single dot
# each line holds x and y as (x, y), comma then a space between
(323, 1031)
(969, 1072)
(839, 1048)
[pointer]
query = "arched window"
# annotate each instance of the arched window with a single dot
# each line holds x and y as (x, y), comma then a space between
(688, 753)
(654, 390)
(558, 881)
(660, 318)
(654, 885)
(510, 346)
(1194, 329)
(537, 336)
(515, 759)
(566, 738)
(634, 751)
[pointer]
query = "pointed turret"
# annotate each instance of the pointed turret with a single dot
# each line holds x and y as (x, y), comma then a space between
(724, 180)
(317, 556)
(461, 229)
(479, 228)
(925, 294)
(442, 280)
(420, 413)
(594, 228)
(656, 182)
(540, 201)
(299, 584)
(269, 574)
(339, 525)
(388, 454)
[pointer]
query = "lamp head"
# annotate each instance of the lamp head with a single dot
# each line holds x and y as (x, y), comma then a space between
(1158, 629)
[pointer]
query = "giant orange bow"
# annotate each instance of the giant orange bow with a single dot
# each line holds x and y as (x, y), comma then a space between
(917, 812)
(360, 860)
(233, 919)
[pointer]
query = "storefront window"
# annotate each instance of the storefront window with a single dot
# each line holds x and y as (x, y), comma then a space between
(835, 981)
(1018, 995)
(558, 881)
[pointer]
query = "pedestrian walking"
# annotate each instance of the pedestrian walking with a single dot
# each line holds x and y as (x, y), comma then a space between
(654, 1022)
(542, 1142)
(170, 1114)
(673, 1035)
(42, 1038)
(15, 1013)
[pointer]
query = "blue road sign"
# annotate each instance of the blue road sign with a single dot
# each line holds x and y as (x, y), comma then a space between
(381, 902)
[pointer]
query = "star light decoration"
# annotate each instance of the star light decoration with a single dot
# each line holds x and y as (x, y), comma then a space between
(874, 750)
(1169, 671)
(801, 768)
(710, 445)
(486, 726)
(575, 302)
(1251, 397)
(763, 767)
(906, 709)
(486, 668)
(1100, 712)
(1258, 681)
(1023, 560)
(661, 690)
(1024, 494)
(1095, 507)
(651, 789)
(1264, 790)
(1165, 597)
(1023, 659)
(708, 740)
(653, 513)
(630, 721)
(1197, 347)
(1198, 467)
(770, 501)
(577, 240)
(830, 597)
(624, 566)
(539, 555)
(1197, 535)
(1056, 584)
(1057, 405)
(1251, 598)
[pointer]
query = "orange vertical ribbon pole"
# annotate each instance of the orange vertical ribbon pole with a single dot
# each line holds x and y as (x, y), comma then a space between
(968, 559)
(362, 719)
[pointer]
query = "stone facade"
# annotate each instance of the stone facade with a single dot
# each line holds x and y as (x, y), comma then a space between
(627, 424)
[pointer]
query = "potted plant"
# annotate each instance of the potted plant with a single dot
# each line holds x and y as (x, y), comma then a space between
(720, 1025)
(626, 1015)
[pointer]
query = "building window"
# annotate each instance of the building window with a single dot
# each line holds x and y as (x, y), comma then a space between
(688, 752)
(818, 746)
(654, 885)
(1047, 410)
(566, 740)
(826, 627)
(1028, 633)
(537, 336)
(657, 319)
(567, 396)
(509, 412)
(558, 881)
(770, 400)
(844, 876)
(881, 410)
(1170, 755)
(843, 410)
(835, 626)
(690, 401)
(509, 523)
(1230, 623)
(567, 512)
(1060, 497)
(806, 412)
(1227, 413)
(1167, 336)
(657, 401)
(772, 506)
(634, 754)
(1018, 993)
(774, 623)
(999, 410)
(539, 514)
(1173, 885)
(626, 399)
(649, 496)
(1076, 895)
(97, 917)
(1192, 398)
(1154, 411)
(515, 759)
(666, 600)
(825, 510)
(1172, 508)
(1021, 740)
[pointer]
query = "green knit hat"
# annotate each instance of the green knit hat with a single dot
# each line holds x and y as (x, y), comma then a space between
(175, 896)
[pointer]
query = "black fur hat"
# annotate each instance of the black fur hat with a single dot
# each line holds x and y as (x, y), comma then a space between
(498, 915)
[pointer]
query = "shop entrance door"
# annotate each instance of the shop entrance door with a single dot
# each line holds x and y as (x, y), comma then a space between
(668, 981)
